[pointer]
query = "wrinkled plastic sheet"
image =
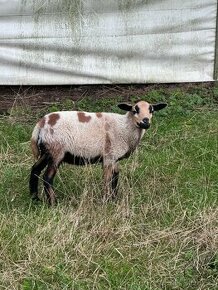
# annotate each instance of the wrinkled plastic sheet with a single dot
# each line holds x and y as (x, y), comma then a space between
(97, 41)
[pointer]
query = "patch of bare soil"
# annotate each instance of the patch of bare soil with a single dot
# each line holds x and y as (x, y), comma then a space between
(40, 96)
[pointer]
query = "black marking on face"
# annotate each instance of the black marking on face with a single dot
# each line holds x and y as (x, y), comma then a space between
(143, 125)
(137, 109)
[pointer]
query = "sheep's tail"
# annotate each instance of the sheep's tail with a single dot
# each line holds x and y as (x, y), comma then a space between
(34, 141)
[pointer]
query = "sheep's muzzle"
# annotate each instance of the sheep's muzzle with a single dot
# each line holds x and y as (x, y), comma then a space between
(144, 124)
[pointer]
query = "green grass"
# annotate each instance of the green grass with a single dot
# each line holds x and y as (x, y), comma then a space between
(162, 233)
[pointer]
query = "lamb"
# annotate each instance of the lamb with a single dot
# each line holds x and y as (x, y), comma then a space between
(81, 138)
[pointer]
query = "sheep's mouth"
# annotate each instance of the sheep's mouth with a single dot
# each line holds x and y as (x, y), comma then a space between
(143, 125)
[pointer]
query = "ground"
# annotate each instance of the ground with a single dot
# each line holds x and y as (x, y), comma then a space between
(161, 233)
(42, 96)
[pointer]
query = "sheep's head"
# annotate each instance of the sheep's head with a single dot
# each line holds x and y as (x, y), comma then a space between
(142, 112)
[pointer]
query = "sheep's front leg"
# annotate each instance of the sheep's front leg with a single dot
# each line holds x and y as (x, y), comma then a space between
(111, 175)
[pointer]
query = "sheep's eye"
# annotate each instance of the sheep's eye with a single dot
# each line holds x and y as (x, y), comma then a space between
(136, 110)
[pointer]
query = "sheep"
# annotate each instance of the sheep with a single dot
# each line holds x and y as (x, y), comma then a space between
(82, 138)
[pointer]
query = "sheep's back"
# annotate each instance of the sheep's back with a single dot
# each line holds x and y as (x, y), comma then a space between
(79, 133)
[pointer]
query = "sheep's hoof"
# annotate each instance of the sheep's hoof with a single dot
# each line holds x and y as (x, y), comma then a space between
(35, 197)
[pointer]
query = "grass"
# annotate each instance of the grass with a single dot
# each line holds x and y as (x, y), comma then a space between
(162, 233)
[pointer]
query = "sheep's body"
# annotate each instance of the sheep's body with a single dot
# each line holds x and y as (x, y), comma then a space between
(82, 137)
(102, 135)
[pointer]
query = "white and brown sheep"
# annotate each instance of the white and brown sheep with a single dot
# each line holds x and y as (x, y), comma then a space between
(85, 138)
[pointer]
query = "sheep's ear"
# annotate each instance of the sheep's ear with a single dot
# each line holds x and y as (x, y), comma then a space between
(125, 107)
(159, 106)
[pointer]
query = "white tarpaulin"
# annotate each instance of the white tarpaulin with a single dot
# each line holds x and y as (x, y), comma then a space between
(99, 41)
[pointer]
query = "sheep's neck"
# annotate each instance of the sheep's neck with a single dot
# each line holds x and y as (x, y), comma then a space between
(134, 134)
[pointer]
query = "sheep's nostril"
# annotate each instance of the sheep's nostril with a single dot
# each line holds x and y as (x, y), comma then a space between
(145, 120)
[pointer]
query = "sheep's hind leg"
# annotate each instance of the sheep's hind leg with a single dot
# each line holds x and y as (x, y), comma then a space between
(114, 182)
(34, 176)
(111, 174)
(48, 178)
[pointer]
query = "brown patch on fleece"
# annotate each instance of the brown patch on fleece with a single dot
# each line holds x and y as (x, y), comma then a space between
(53, 119)
(99, 115)
(83, 118)
(107, 143)
(107, 126)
